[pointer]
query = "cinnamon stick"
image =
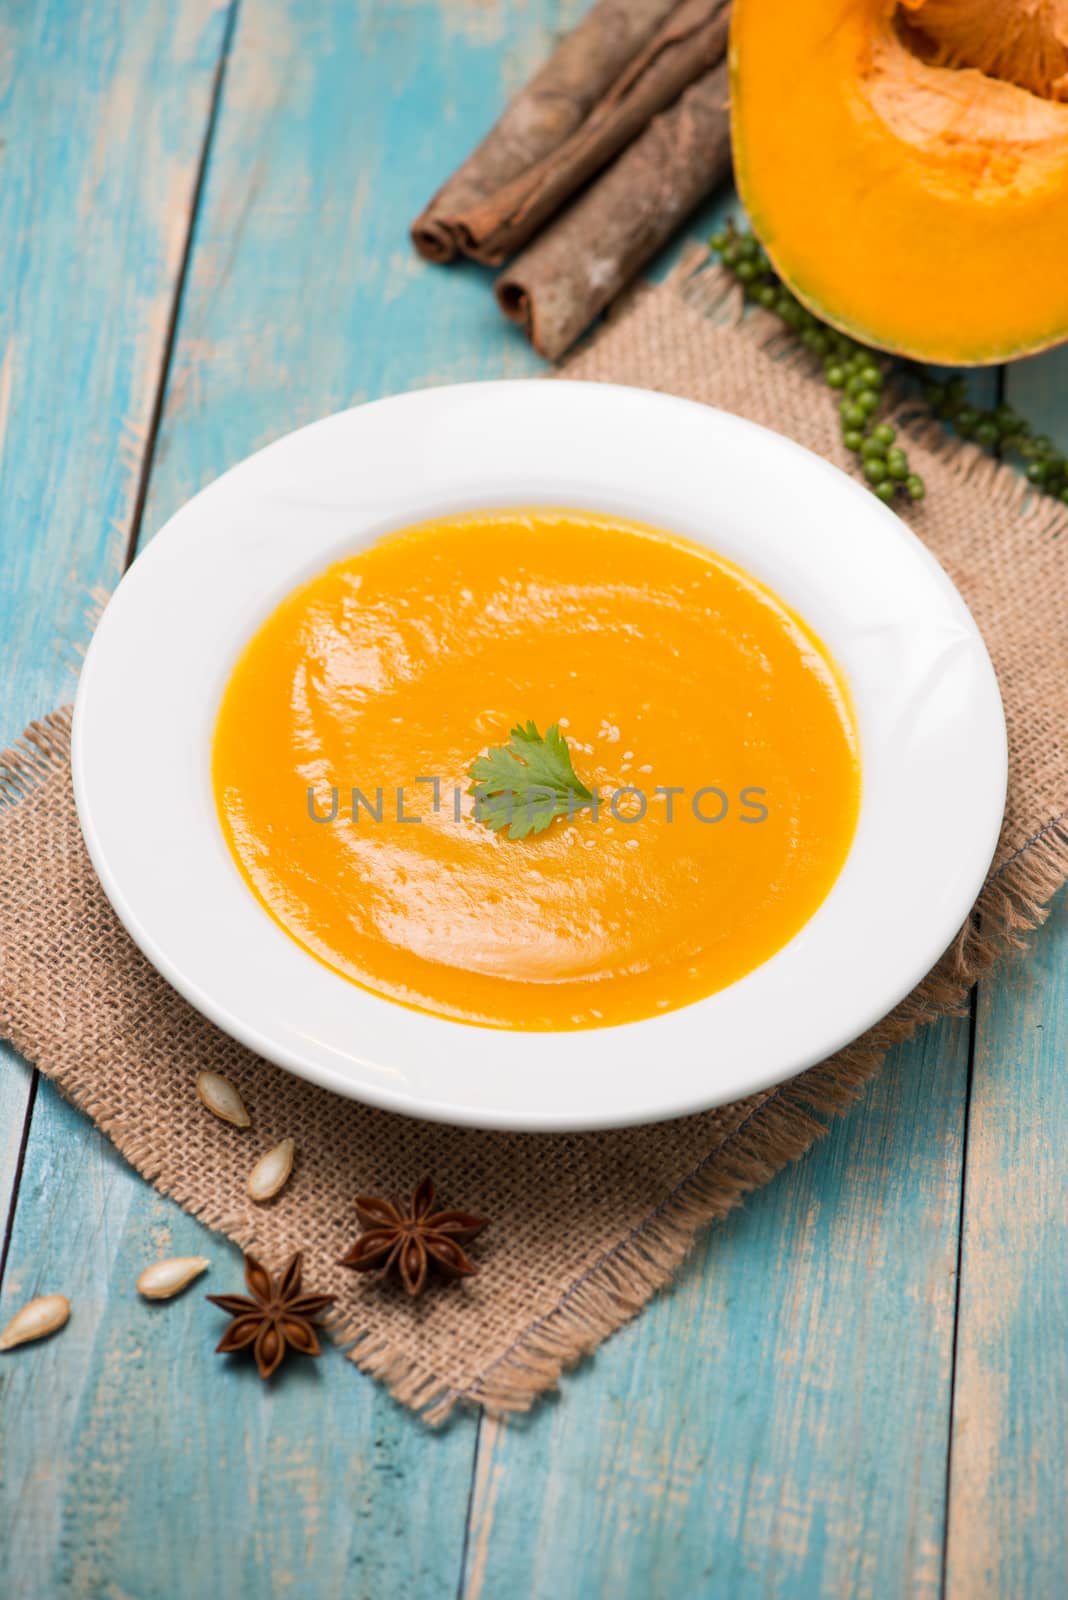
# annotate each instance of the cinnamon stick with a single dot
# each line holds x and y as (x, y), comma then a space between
(691, 41)
(582, 69)
(580, 262)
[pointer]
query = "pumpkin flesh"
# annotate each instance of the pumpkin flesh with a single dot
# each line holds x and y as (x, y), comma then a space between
(915, 200)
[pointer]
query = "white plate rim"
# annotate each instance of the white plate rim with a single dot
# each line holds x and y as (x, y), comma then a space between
(891, 617)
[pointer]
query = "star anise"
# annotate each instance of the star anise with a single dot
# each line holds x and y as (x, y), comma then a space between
(277, 1318)
(414, 1241)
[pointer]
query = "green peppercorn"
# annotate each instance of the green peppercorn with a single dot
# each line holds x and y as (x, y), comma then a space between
(857, 374)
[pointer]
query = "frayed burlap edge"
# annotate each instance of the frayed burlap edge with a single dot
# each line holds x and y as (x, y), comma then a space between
(782, 1128)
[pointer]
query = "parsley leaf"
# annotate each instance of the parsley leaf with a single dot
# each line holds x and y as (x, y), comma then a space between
(525, 784)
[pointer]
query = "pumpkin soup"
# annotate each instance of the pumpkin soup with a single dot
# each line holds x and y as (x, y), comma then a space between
(691, 738)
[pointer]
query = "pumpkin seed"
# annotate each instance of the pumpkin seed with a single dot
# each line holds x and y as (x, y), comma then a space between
(36, 1318)
(271, 1172)
(222, 1099)
(166, 1278)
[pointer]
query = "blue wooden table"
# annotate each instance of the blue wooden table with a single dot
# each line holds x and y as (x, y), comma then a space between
(859, 1385)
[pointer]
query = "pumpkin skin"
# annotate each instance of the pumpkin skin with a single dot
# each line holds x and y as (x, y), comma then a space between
(909, 198)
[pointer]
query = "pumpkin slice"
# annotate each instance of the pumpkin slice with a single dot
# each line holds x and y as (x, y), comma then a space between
(907, 167)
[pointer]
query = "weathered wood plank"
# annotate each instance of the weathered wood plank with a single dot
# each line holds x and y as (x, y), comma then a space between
(305, 295)
(1008, 1533)
(102, 117)
(102, 113)
(1038, 388)
(776, 1425)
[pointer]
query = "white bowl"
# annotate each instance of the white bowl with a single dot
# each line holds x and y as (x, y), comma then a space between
(930, 719)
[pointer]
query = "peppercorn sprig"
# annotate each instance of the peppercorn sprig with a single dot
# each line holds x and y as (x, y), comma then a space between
(1001, 432)
(859, 371)
(852, 369)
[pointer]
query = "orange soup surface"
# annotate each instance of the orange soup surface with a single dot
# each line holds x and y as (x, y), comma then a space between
(707, 718)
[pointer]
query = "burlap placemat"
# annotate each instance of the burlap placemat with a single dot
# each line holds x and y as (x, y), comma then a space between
(585, 1227)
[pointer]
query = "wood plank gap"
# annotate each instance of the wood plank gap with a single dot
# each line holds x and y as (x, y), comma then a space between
(170, 339)
(461, 1582)
(973, 1028)
(1000, 392)
(20, 1163)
